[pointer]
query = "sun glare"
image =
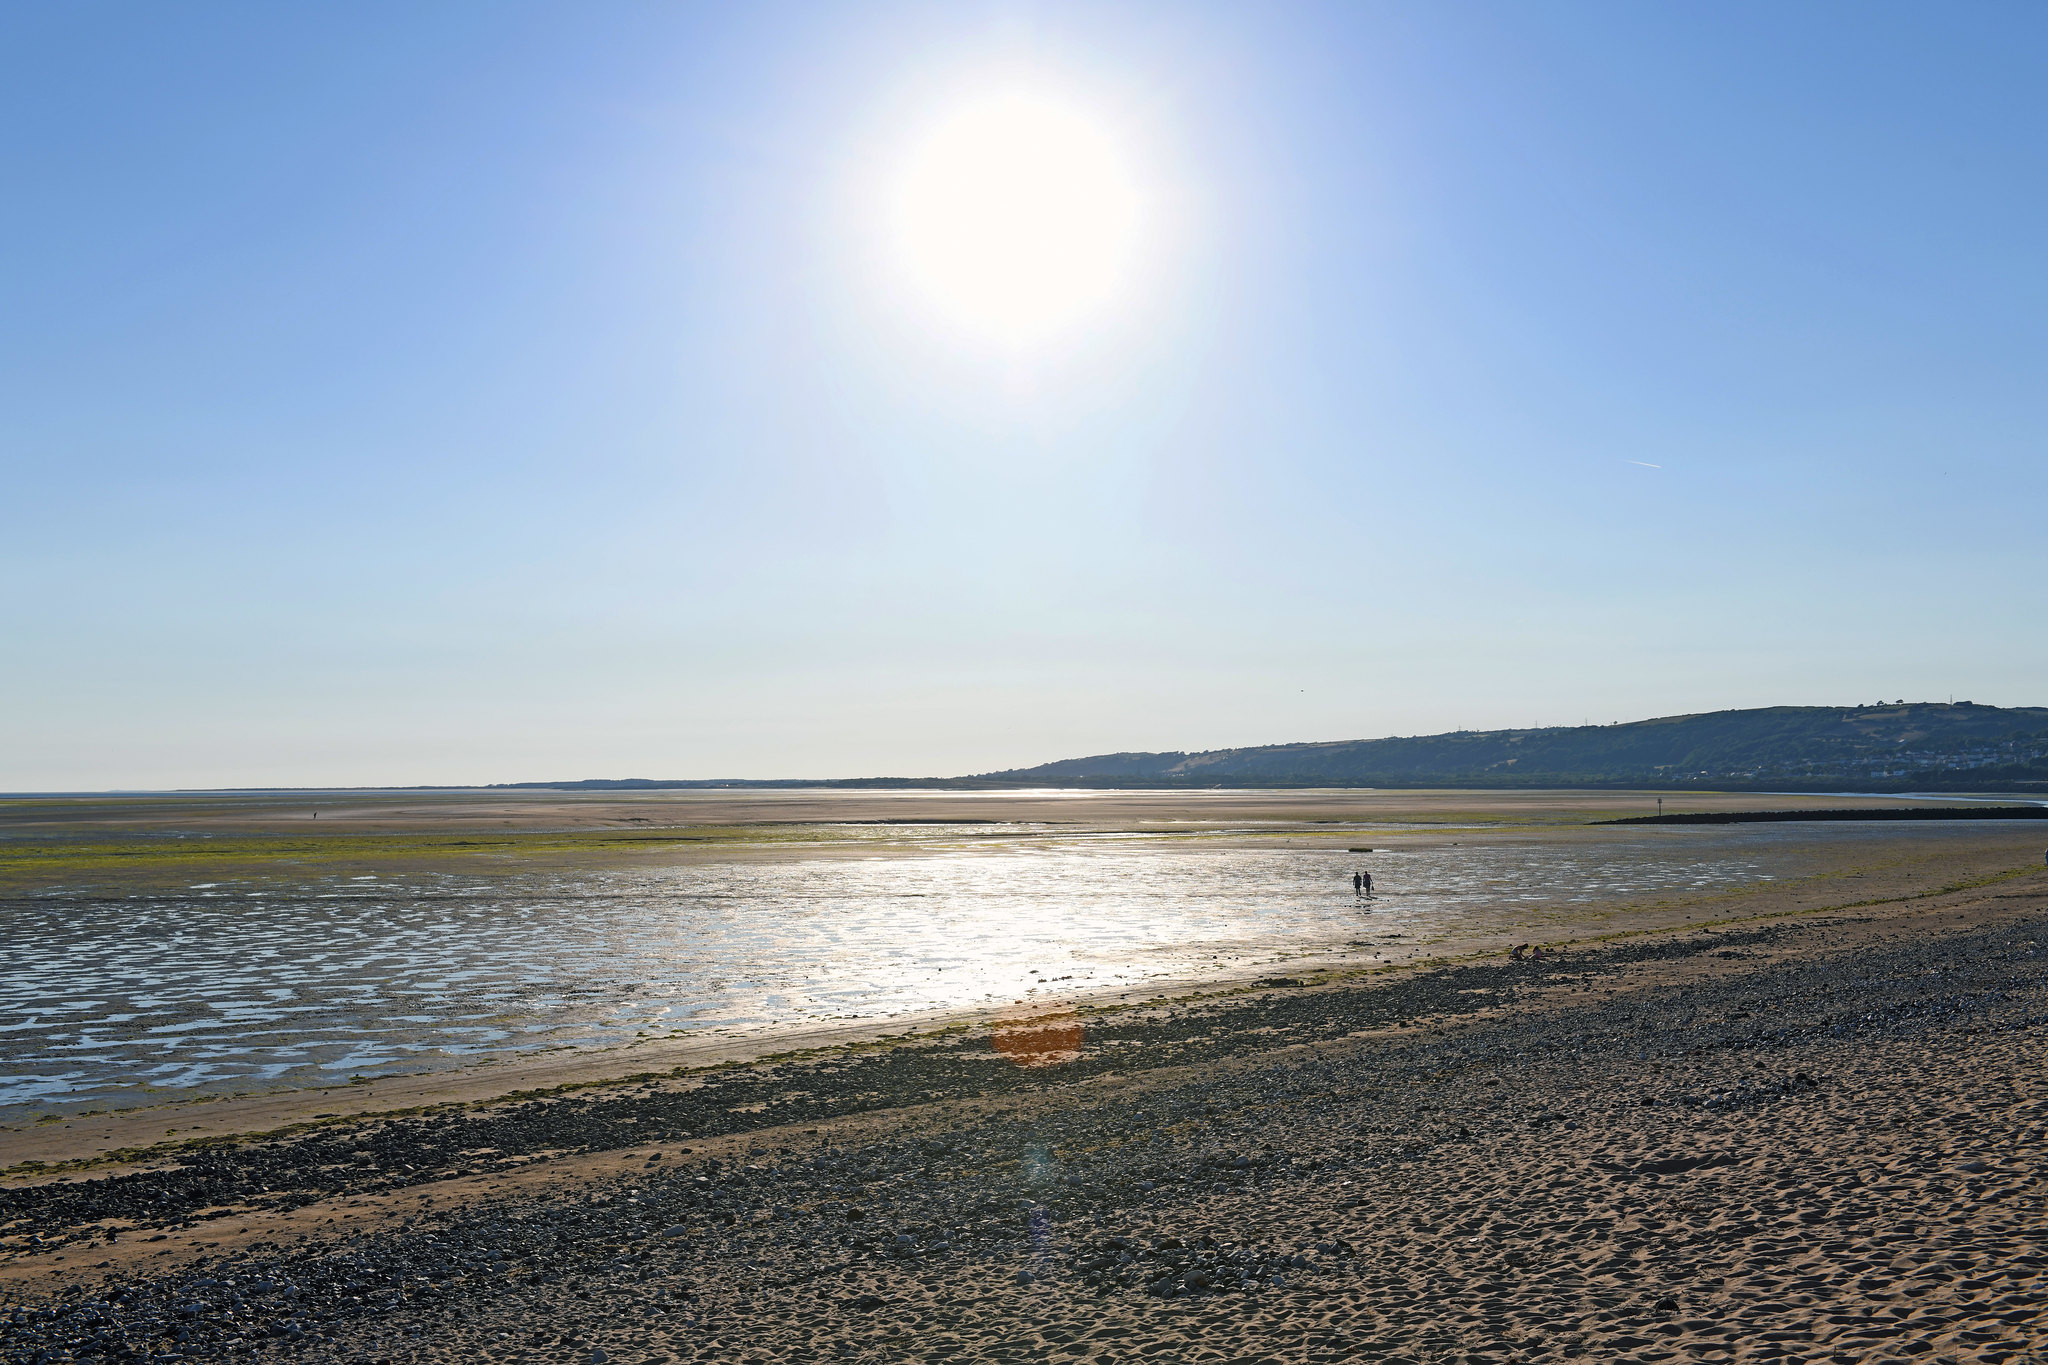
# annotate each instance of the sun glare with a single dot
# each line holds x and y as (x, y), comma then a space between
(1016, 217)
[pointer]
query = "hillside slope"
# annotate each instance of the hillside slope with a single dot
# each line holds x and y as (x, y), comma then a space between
(1908, 746)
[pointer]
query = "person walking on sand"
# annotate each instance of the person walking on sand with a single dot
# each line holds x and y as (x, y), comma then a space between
(1357, 885)
(1368, 882)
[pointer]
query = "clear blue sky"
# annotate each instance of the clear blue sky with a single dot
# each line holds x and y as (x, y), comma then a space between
(481, 392)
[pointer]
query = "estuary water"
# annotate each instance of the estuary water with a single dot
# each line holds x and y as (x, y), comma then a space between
(220, 987)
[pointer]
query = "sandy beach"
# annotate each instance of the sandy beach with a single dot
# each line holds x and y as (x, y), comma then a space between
(1812, 1129)
(1116, 682)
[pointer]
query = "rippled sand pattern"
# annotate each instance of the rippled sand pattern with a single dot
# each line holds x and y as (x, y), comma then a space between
(238, 986)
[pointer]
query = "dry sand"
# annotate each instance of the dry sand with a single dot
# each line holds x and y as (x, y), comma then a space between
(1818, 1134)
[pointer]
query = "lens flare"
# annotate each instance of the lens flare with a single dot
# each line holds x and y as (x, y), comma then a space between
(1051, 1039)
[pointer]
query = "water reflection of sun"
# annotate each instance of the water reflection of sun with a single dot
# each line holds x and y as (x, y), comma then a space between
(1044, 1037)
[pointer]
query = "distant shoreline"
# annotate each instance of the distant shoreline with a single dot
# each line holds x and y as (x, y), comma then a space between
(1900, 791)
(1758, 817)
(1893, 749)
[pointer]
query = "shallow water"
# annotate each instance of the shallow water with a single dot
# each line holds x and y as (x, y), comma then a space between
(248, 986)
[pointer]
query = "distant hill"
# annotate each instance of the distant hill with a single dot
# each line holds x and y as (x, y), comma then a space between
(1904, 747)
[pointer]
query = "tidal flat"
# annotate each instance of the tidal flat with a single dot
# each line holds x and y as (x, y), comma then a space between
(193, 947)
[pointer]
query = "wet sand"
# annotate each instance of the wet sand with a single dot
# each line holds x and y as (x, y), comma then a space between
(1873, 866)
(485, 811)
(1815, 1130)
(177, 947)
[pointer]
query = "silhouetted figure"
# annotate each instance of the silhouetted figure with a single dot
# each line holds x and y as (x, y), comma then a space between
(1368, 882)
(1357, 884)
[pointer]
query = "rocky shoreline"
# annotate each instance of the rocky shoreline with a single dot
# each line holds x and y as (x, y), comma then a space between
(1806, 1139)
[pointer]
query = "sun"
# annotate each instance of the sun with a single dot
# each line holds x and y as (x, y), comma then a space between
(1016, 217)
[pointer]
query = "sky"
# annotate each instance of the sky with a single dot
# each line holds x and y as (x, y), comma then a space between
(482, 392)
